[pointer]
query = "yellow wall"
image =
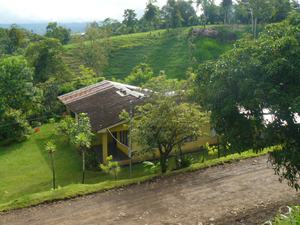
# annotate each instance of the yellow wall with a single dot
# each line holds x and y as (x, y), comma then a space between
(99, 142)
(188, 146)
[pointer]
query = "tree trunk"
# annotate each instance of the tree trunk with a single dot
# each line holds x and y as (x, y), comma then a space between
(51, 154)
(252, 20)
(150, 27)
(219, 153)
(178, 36)
(163, 165)
(225, 18)
(255, 27)
(83, 165)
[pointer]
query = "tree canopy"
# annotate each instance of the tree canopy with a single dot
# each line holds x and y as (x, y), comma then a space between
(45, 57)
(94, 53)
(256, 78)
(19, 98)
(60, 33)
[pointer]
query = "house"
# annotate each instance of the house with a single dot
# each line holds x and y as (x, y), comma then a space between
(103, 102)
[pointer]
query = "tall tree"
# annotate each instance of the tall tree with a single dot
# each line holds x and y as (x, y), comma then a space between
(92, 49)
(204, 7)
(45, 57)
(186, 11)
(6, 46)
(60, 33)
(226, 4)
(19, 98)
(80, 136)
(166, 121)
(151, 12)
(51, 148)
(259, 9)
(256, 78)
(172, 14)
(281, 10)
(16, 35)
(130, 20)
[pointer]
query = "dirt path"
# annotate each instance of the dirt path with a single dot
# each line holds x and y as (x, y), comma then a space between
(239, 193)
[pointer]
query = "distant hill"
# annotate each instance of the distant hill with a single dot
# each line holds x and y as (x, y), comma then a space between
(160, 52)
(40, 28)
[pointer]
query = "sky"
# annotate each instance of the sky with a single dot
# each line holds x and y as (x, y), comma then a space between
(67, 11)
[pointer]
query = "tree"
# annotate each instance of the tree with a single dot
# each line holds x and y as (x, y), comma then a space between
(256, 78)
(204, 7)
(281, 8)
(80, 136)
(166, 121)
(140, 75)
(110, 24)
(50, 148)
(226, 4)
(92, 49)
(45, 57)
(16, 35)
(151, 12)
(6, 46)
(259, 9)
(295, 5)
(186, 11)
(60, 33)
(130, 20)
(93, 24)
(241, 13)
(172, 14)
(19, 98)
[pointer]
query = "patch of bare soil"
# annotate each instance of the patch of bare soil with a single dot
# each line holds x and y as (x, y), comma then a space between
(245, 192)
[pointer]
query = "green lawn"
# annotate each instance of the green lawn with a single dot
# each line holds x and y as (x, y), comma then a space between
(26, 172)
(26, 167)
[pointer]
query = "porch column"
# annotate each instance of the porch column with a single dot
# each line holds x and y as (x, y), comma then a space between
(104, 147)
(68, 111)
(76, 118)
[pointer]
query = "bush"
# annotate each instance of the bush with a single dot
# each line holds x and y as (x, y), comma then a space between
(92, 161)
(17, 128)
(183, 161)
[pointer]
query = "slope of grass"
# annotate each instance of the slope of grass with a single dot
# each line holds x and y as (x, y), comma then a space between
(26, 167)
(26, 172)
(162, 52)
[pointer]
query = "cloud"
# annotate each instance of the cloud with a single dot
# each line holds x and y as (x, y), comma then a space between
(37, 11)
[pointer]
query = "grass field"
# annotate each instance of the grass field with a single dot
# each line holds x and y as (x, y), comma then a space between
(162, 52)
(26, 171)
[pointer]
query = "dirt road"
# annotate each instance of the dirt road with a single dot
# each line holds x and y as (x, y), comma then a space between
(244, 192)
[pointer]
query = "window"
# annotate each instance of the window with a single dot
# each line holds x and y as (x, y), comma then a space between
(189, 139)
(124, 137)
(213, 133)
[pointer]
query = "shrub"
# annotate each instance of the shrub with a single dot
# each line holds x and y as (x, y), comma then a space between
(151, 167)
(183, 161)
(18, 128)
(112, 168)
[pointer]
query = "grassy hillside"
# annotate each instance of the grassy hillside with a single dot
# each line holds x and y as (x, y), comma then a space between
(162, 53)
(26, 167)
(26, 171)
